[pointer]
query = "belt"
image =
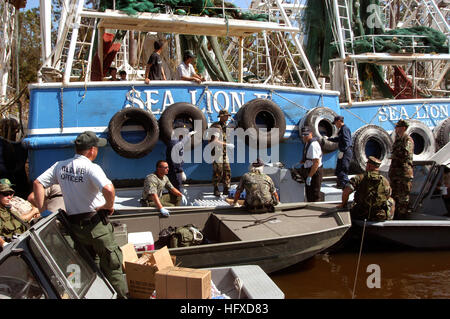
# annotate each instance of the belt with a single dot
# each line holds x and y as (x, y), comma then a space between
(84, 219)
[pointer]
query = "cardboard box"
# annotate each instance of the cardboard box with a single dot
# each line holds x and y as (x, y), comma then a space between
(140, 272)
(143, 241)
(183, 283)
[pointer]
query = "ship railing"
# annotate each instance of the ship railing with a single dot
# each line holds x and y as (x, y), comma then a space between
(412, 39)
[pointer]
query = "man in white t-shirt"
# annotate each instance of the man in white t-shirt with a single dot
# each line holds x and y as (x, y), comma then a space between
(89, 199)
(186, 71)
(312, 163)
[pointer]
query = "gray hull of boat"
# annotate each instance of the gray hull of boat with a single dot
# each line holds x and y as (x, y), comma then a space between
(424, 234)
(273, 241)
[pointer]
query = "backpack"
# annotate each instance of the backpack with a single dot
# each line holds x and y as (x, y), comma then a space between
(164, 237)
(188, 235)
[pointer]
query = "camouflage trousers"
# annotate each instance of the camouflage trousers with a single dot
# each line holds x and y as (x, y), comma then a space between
(401, 187)
(221, 173)
(376, 214)
(101, 244)
(167, 200)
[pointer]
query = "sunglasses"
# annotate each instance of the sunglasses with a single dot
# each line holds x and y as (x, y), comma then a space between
(7, 193)
(164, 167)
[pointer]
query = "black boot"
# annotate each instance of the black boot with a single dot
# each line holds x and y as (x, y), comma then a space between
(225, 190)
(216, 191)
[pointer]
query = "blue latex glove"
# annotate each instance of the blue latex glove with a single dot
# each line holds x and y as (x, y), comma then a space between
(184, 201)
(308, 181)
(164, 212)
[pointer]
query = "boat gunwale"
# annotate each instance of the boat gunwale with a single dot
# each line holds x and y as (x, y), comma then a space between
(176, 83)
(384, 102)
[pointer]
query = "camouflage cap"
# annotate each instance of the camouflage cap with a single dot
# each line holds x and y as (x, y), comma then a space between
(6, 182)
(88, 139)
(374, 161)
(257, 163)
(5, 188)
(402, 123)
(224, 112)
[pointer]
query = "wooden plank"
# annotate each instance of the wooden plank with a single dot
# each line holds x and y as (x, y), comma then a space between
(158, 22)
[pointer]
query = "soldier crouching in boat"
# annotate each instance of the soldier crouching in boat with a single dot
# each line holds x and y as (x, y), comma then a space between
(261, 195)
(373, 199)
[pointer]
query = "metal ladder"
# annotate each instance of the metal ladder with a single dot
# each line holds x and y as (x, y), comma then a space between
(68, 56)
(261, 56)
(437, 16)
(345, 35)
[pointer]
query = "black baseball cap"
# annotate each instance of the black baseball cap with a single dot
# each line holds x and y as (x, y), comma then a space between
(88, 139)
(338, 118)
(189, 54)
(305, 130)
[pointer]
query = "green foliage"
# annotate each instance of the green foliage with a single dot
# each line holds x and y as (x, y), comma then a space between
(30, 48)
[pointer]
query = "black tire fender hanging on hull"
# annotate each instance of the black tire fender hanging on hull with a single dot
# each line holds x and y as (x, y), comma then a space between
(185, 113)
(267, 112)
(442, 133)
(320, 120)
(380, 143)
(141, 117)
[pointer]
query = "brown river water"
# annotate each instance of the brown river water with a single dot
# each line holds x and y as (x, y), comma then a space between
(399, 274)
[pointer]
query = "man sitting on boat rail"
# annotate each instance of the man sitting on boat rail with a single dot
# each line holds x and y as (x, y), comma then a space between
(373, 199)
(152, 195)
(185, 71)
(261, 195)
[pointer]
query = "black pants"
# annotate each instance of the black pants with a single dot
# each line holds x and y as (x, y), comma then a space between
(343, 167)
(313, 191)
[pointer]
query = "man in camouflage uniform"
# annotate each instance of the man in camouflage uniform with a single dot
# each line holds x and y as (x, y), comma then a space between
(221, 166)
(260, 193)
(21, 207)
(11, 224)
(372, 199)
(401, 170)
(152, 195)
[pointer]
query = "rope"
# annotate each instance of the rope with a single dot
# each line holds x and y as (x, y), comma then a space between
(61, 110)
(290, 101)
(238, 284)
(262, 221)
(359, 258)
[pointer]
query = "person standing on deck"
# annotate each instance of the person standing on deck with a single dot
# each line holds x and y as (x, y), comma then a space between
(154, 70)
(89, 199)
(312, 165)
(174, 157)
(401, 170)
(221, 166)
(344, 140)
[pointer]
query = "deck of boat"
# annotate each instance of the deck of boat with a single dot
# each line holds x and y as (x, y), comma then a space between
(283, 223)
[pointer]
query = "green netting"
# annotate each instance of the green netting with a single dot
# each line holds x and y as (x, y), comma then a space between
(212, 8)
(319, 48)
